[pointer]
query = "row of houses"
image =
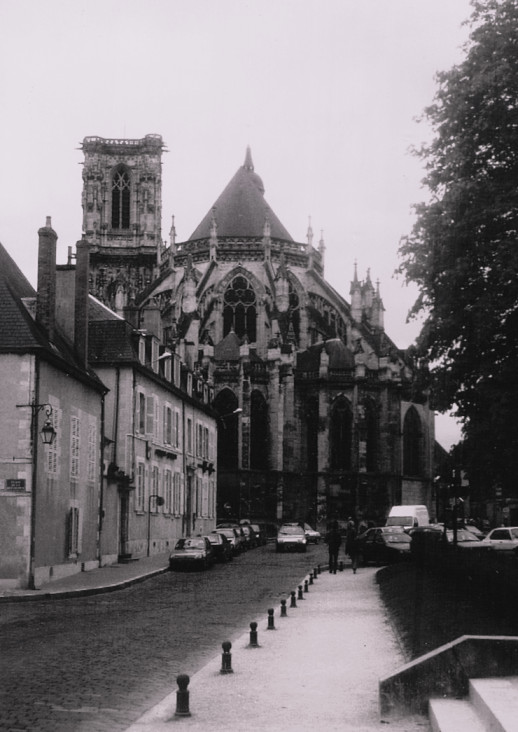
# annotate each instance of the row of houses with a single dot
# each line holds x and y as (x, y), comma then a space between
(108, 449)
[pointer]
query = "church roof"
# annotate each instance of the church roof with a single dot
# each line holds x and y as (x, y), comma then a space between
(241, 210)
(340, 356)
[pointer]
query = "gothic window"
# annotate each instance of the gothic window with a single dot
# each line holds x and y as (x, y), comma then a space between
(239, 309)
(121, 190)
(340, 435)
(312, 434)
(412, 440)
(258, 432)
(225, 405)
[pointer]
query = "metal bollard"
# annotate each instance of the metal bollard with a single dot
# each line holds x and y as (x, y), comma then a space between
(182, 696)
(284, 614)
(341, 567)
(300, 596)
(319, 569)
(293, 602)
(315, 572)
(306, 586)
(253, 636)
(311, 578)
(271, 624)
(226, 659)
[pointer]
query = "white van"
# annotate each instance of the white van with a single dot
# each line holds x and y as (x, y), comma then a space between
(409, 517)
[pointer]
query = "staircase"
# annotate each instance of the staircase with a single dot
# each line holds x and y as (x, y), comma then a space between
(491, 706)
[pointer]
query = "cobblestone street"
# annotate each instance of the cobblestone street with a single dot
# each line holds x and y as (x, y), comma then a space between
(97, 663)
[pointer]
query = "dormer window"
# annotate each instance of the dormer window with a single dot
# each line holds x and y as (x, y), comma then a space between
(121, 190)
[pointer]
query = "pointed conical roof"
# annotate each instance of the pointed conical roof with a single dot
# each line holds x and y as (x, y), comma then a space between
(241, 209)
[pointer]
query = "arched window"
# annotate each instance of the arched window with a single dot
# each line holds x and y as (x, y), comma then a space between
(412, 442)
(225, 405)
(312, 434)
(340, 435)
(258, 432)
(239, 309)
(121, 190)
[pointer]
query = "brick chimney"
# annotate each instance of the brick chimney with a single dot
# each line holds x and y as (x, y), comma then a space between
(46, 294)
(81, 300)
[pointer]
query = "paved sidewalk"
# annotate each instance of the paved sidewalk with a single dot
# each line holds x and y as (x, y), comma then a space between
(103, 579)
(319, 669)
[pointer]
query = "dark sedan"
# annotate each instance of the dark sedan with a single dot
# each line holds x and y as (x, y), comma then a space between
(193, 552)
(221, 547)
(383, 545)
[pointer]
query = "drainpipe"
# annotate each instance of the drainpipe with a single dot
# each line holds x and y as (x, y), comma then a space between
(34, 438)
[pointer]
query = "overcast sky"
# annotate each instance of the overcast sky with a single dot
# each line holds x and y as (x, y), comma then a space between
(326, 93)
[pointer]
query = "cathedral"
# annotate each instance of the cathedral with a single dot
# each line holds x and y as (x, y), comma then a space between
(319, 415)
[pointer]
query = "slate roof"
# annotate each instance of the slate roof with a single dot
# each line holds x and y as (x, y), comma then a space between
(111, 340)
(340, 356)
(20, 333)
(241, 209)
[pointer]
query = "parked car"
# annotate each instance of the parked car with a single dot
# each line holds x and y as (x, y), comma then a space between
(383, 545)
(234, 538)
(291, 537)
(466, 540)
(192, 551)
(260, 534)
(312, 536)
(221, 547)
(504, 538)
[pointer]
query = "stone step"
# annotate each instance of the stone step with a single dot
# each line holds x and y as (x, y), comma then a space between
(496, 701)
(492, 706)
(453, 715)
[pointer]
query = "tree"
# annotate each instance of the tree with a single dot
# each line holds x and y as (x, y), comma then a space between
(463, 249)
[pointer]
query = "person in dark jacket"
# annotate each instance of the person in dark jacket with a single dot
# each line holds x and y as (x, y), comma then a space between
(351, 545)
(333, 541)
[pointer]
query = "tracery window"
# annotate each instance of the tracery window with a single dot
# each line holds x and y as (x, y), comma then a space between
(412, 443)
(240, 309)
(121, 190)
(340, 435)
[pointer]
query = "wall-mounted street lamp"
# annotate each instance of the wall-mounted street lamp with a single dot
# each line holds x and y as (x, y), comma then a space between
(47, 432)
(48, 435)
(229, 414)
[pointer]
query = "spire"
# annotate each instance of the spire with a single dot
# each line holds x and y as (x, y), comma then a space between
(172, 233)
(213, 234)
(310, 233)
(248, 164)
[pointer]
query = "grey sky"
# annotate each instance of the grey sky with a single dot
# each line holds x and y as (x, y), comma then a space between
(325, 92)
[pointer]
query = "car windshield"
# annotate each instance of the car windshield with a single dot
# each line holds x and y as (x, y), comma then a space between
(190, 544)
(514, 533)
(397, 538)
(290, 530)
(463, 535)
(215, 538)
(227, 532)
(400, 521)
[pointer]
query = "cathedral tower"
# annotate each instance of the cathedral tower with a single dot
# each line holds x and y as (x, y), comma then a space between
(122, 194)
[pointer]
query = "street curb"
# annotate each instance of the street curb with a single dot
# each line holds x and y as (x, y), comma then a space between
(83, 592)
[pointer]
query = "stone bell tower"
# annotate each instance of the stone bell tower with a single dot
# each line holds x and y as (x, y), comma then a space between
(122, 211)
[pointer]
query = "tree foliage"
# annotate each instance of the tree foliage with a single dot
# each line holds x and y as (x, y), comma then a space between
(463, 249)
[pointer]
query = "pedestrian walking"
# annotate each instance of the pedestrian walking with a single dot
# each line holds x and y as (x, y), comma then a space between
(333, 541)
(351, 546)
